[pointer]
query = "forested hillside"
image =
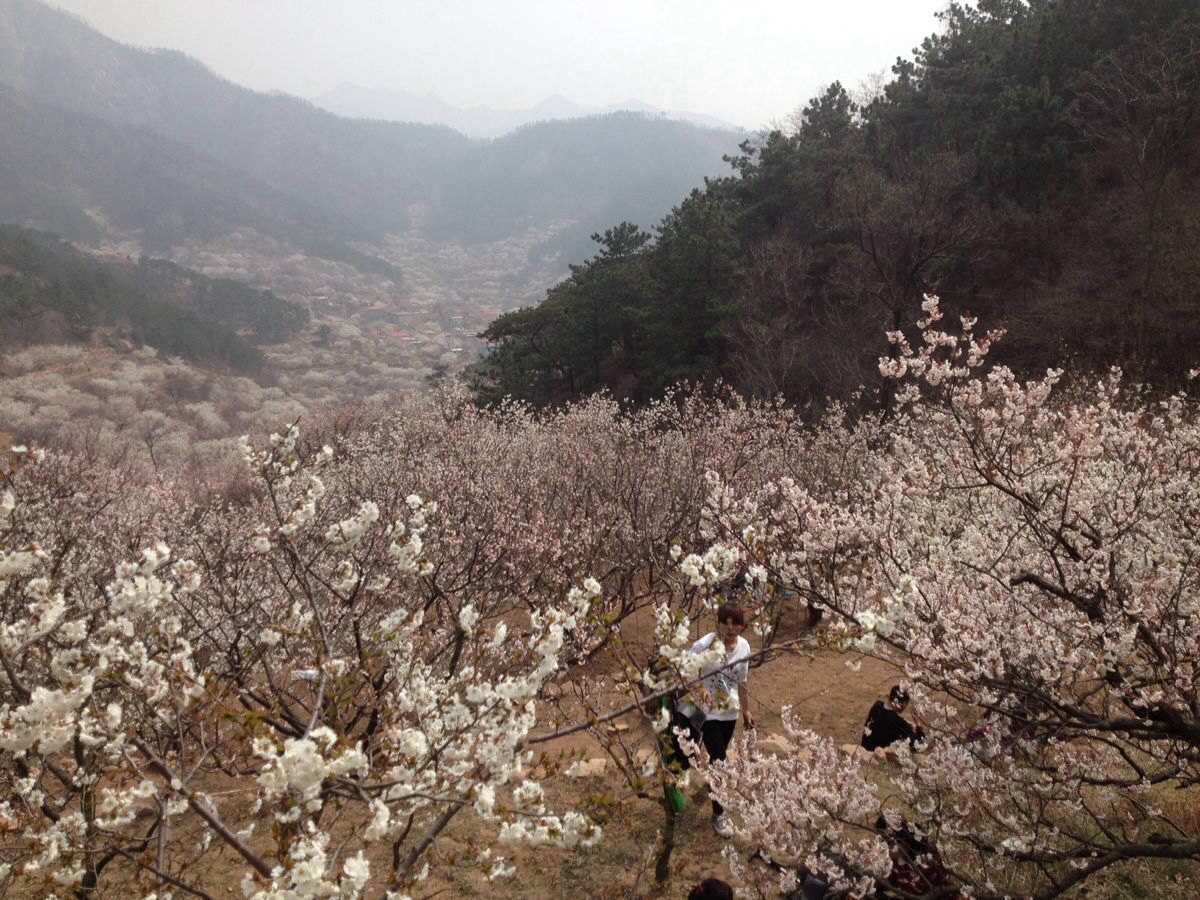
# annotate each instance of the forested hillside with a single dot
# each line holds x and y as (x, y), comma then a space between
(1035, 163)
(51, 292)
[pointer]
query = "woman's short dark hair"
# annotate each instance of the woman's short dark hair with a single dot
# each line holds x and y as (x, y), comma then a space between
(732, 614)
(898, 694)
(711, 889)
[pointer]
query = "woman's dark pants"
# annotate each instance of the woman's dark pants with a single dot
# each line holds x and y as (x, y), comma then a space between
(715, 735)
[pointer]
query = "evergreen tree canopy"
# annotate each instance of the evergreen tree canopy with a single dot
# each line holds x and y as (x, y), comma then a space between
(1034, 163)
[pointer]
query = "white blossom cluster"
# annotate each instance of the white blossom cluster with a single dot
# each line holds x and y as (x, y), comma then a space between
(801, 808)
(673, 641)
(70, 671)
(474, 727)
(718, 564)
(408, 546)
(863, 630)
(308, 875)
(348, 532)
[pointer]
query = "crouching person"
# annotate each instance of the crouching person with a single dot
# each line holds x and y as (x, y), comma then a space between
(885, 725)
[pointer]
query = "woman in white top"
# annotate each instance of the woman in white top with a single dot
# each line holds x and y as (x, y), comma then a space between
(710, 712)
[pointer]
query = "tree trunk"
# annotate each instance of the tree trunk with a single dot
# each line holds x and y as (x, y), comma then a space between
(666, 842)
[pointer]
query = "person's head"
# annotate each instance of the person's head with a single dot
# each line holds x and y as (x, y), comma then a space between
(731, 621)
(711, 889)
(898, 698)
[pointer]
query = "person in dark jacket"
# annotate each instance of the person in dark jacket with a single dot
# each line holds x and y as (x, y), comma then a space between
(885, 725)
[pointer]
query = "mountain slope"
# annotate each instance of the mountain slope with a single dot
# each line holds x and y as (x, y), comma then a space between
(1035, 165)
(624, 165)
(365, 171)
(69, 173)
(48, 289)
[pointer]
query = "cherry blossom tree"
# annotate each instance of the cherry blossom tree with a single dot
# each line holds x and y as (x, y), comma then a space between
(291, 666)
(354, 636)
(1027, 554)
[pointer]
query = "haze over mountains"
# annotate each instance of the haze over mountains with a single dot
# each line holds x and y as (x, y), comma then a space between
(358, 102)
(157, 146)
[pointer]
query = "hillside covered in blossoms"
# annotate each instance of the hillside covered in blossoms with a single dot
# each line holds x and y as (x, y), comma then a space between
(313, 666)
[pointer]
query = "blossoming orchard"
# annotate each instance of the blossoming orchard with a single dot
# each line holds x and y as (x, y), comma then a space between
(363, 636)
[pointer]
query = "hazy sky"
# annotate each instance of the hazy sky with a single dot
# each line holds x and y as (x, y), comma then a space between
(747, 61)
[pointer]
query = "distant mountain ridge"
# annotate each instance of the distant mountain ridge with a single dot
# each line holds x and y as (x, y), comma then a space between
(158, 145)
(357, 102)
